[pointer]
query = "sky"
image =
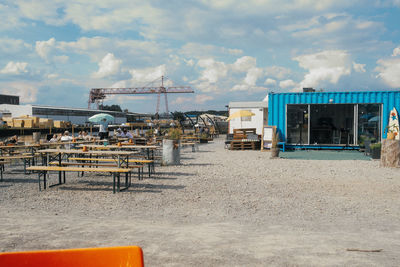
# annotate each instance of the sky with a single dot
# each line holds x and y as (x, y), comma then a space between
(53, 52)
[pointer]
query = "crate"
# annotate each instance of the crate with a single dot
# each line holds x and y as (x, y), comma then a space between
(45, 123)
(28, 123)
(9, 121)
(18, 123)
(59, 124)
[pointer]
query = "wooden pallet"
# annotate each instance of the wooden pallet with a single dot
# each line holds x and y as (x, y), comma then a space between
(243, 145)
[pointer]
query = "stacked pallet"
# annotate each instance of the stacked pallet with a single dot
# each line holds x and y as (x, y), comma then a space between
(244, 139)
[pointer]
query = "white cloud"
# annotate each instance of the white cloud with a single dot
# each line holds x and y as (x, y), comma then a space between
(61, 59)
(10, 18)
(273, 6)
(327, 66)
(9, 46)
(201, 99)
(198, 50)
(147, 75)
(45, 10)
(245, 63)
(26, 91)
(249, 88)
(181, 99)
(396, 51)
(189, 62)
(253, 75)
(52, 76)
(213, 70)
(270, 82)
(235, 52)
(96, 47)
(359, 67)
(240, 87)
(44, 48)
(287, 83)
(119, 84)
(389, 70)
(15, 68)
(108, 66)
(278, 72)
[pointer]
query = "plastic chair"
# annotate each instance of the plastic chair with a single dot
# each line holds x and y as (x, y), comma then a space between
(83, 257)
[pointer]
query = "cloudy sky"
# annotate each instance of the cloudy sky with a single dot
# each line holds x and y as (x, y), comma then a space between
(53, 51)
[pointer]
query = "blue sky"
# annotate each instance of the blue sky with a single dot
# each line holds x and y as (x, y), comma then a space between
(52, 52)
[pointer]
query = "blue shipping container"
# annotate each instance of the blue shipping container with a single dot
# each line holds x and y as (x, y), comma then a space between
(277, 104)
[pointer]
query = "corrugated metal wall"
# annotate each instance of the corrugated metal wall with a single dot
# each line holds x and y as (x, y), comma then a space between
(277, 103)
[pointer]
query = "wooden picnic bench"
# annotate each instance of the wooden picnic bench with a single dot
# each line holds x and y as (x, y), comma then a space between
(149, 162)
(2, 168)
(26, 159)
(44, 170)
(89, 164)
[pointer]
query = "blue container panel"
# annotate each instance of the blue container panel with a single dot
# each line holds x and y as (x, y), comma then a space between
(277, 103)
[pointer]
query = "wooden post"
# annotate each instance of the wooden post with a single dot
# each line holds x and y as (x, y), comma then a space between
(390, 153)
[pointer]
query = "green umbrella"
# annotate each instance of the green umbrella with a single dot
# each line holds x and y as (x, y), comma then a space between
(99, 117)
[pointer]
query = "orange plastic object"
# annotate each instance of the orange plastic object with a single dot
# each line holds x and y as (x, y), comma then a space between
(84, 257)
(119, 144)
(84, 149)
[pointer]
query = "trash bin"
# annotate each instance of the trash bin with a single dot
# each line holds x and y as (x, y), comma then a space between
(171, 153)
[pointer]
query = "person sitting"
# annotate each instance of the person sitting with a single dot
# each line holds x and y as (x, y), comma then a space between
(85, 136)
(80, 136)
(54, 139)
(119, 133)
(66, 137)
(13, 140)
(127, 134)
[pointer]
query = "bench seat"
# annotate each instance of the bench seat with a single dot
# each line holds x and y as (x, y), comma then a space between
(43, 170)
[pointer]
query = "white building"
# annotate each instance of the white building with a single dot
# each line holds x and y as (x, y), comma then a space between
(260, 109)
(73, 115)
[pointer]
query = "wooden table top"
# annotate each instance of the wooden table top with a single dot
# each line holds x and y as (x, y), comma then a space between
(19, 146)
(120, 147)
(79, 151)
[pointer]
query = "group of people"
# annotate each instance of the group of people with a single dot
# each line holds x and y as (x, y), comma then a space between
(124, 133)
(66, 137)
(13, 140)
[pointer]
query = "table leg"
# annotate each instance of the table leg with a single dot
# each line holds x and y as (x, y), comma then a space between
(44, 179)
(59, 173)
(118, 182)
(114, 182)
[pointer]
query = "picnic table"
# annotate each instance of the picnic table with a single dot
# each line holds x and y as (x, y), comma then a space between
(49, 155)
(148, 148)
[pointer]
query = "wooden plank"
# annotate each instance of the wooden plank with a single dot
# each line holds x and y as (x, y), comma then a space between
(91, 164)
(79, 151)
(77, 169)
(16, 157)
(113, 160)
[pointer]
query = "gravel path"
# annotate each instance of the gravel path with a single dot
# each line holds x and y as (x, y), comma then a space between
(219, 208)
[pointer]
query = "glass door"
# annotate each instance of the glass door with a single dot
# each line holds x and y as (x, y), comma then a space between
(297, 124)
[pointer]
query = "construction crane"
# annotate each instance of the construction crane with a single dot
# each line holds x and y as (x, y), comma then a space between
(97, 95)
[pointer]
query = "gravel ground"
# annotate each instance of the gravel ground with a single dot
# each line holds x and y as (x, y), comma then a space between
(219, 208)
